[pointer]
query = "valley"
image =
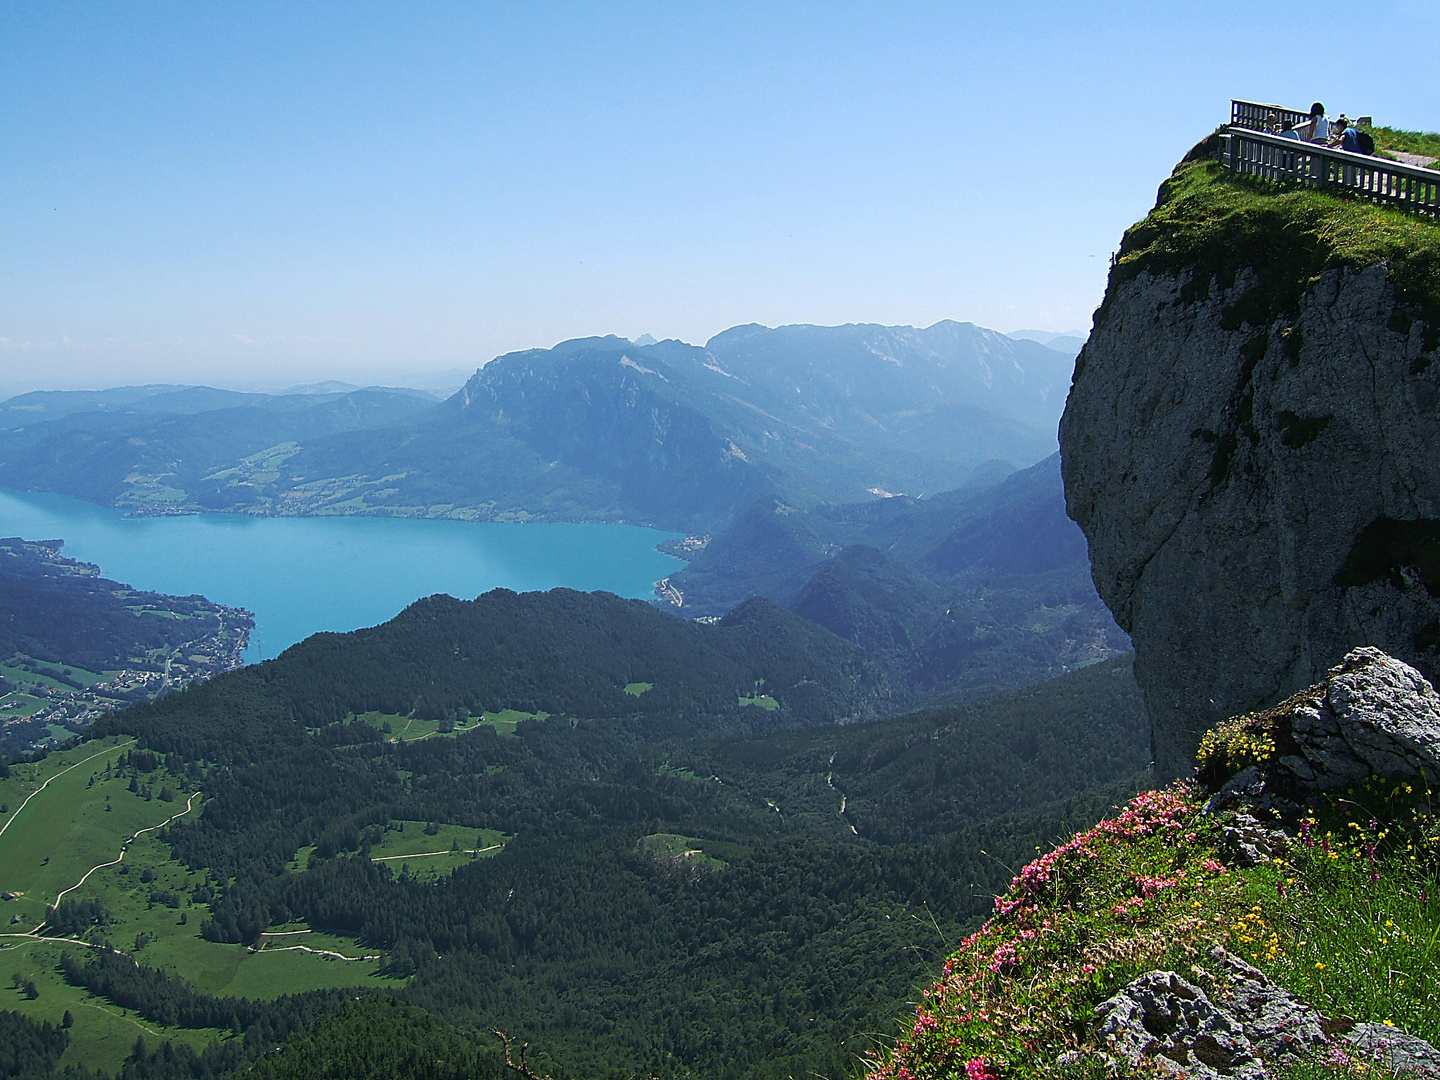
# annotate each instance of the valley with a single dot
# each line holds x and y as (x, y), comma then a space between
(609, 850)
(960, 594)
(554, 811)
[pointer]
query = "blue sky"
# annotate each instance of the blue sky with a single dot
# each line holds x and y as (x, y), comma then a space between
(250, 194)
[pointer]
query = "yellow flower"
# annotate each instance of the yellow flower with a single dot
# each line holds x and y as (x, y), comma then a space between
(1319, 965)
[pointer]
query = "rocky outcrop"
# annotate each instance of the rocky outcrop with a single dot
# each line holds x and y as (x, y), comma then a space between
(1259, 486)
(1233, 1021)
(1376, 717)
(1372, 715)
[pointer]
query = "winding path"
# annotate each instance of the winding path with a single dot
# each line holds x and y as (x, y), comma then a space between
(190, 802)
(31, 935)
(57, 776)
(446, 851)
(330, 954)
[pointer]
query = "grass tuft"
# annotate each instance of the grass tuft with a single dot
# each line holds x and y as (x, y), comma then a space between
(1409, 142)
(1210, 224)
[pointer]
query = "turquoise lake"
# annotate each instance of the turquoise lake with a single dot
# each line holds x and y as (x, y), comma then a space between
(303, 575)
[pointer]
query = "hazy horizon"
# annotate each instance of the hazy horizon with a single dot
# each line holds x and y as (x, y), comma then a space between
(447, 380)
(263, 194)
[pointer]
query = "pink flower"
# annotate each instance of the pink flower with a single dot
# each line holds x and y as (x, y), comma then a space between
(1004, 956)
(975, 1069)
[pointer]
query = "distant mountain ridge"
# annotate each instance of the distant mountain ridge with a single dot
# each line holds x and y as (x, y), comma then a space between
(598, 429)
(970, 591)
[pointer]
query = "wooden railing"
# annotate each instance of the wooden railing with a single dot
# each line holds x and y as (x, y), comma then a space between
(1381, 180)
(1254, 115)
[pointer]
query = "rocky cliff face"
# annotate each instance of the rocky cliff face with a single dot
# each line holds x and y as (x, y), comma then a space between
(1252, 448)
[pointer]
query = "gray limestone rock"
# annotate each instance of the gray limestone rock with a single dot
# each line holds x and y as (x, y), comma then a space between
(1373, 715)
(1279, 1025)
(1400, 1054)
(1243, 1027)
(1258, 500)
(1163, 1017)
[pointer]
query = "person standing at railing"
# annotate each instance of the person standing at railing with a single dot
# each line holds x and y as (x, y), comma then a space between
(1317, 128)
(1287, 131)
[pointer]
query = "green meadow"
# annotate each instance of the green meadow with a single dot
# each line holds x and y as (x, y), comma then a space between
(411, 847)
(18, 703)
(78, 816)
(19, 674)
(414, 849)
(103, 1034)
(413, 729)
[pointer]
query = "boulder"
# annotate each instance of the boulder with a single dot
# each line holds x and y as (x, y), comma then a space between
(1373, 715)
(1165, 1018)
(1243, 1027)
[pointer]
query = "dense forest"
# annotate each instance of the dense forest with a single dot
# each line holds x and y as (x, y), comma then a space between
(29, 1048)
(692, 886)
(561, 652)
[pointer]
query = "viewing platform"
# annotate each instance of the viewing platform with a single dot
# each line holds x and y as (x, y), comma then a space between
(1247, 148)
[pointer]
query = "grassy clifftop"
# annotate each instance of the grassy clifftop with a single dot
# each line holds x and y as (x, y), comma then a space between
(1346, 919)
(1209, 223)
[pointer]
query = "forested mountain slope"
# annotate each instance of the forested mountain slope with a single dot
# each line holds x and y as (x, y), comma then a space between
(690, 884)
(764, 940)
(563, 653)
(964, 592)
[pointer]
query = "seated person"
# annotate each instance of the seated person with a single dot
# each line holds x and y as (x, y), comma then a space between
(1353, 139)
